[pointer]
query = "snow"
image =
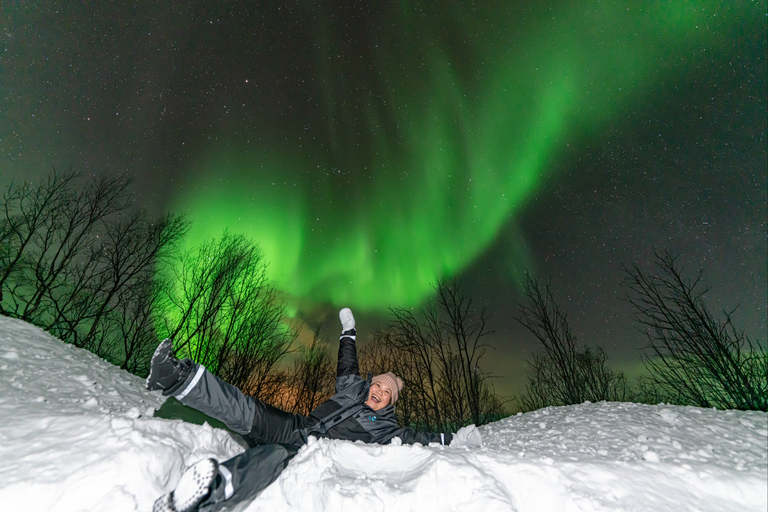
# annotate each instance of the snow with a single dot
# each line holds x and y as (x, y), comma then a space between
(77, 434)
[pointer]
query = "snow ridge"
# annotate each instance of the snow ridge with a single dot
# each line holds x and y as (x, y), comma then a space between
(77, 433)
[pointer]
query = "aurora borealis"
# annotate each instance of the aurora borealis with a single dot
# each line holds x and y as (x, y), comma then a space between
(371, 149)
(446, 159)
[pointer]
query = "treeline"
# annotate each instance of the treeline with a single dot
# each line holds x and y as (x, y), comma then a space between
(80, 259)
(438, 353)
(692, 357)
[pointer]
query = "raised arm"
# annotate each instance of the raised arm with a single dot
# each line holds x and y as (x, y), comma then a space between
(347, 362)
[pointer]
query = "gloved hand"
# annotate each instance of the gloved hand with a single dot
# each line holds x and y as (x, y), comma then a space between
(467, 437)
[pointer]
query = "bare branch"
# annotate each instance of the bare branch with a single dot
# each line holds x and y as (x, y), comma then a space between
(694, 358)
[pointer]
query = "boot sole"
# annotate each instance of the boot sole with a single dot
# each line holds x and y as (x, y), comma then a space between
(194, 485)
(162, 352)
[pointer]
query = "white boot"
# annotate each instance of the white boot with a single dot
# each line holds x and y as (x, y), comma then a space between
(165, 370)
(347, 320)
(193, 487)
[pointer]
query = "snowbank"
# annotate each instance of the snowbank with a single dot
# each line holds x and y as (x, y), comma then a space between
(76, 433)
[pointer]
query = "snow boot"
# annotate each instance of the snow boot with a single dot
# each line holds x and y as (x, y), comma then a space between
(347, 320)
(167, 373)
(193, 488)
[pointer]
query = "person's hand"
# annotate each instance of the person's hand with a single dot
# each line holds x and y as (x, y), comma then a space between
(467, 437)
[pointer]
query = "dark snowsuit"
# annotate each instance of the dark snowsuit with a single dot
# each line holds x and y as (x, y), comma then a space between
(276, 436)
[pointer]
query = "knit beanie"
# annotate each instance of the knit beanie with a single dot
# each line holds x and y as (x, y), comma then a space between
(394, 382)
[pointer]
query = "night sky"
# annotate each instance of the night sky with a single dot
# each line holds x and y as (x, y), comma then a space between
(372, 147)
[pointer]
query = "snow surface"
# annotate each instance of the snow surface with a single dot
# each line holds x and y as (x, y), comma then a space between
(77, 433)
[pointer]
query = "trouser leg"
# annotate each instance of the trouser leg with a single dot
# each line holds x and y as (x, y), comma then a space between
(207, 393)
(244, 476)
(272, 425)
(258, 422)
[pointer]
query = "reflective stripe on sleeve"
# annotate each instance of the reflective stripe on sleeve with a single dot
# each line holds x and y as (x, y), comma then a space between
(229, 490)
(195, 380)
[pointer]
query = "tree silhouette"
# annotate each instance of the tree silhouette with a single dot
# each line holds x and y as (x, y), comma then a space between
(312, 379)
(30, 220)
(695, 359)
(74, 250)
(438, 354)
(564, 373)
(80, 260)
(222, 312)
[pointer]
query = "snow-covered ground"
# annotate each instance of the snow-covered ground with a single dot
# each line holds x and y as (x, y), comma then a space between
(76, 433)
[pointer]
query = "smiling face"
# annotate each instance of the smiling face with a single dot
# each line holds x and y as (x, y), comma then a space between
(379, 396)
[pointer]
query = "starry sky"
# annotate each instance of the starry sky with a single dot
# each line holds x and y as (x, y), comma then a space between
(371, 148)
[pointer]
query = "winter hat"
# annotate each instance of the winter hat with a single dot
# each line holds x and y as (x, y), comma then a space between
(394, 382)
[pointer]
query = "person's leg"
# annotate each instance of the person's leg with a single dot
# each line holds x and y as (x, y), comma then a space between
(210, 486)
(194, 386)
(191, 490)
(272, 425)
(210, 395)
(258, 422)
(244, 476)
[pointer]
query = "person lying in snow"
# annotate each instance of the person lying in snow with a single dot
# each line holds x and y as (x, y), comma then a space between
(361, 410)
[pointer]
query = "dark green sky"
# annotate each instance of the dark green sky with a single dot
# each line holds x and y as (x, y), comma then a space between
(370, 149)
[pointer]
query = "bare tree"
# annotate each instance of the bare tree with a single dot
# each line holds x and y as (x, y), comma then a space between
(256, 336)
(223, 313)
(64, 248)
(78, 259)
(438, 357)
(420, 350)
(467, 329)
(126, 257)
(312, 378)
(73, 248)
(28, 210)
(124, 296)
(564, 373)
(132, 249)
(695, 359)
(132, 323)
(203, 280)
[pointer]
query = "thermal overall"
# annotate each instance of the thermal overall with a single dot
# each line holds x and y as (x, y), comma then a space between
(275, 436)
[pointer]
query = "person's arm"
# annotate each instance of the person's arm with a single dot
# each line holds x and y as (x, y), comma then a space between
(347, 362)
(383, 428)
(411, 436)
(466, 437)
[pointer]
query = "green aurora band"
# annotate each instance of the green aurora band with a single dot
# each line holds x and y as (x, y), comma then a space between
(464, 123)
